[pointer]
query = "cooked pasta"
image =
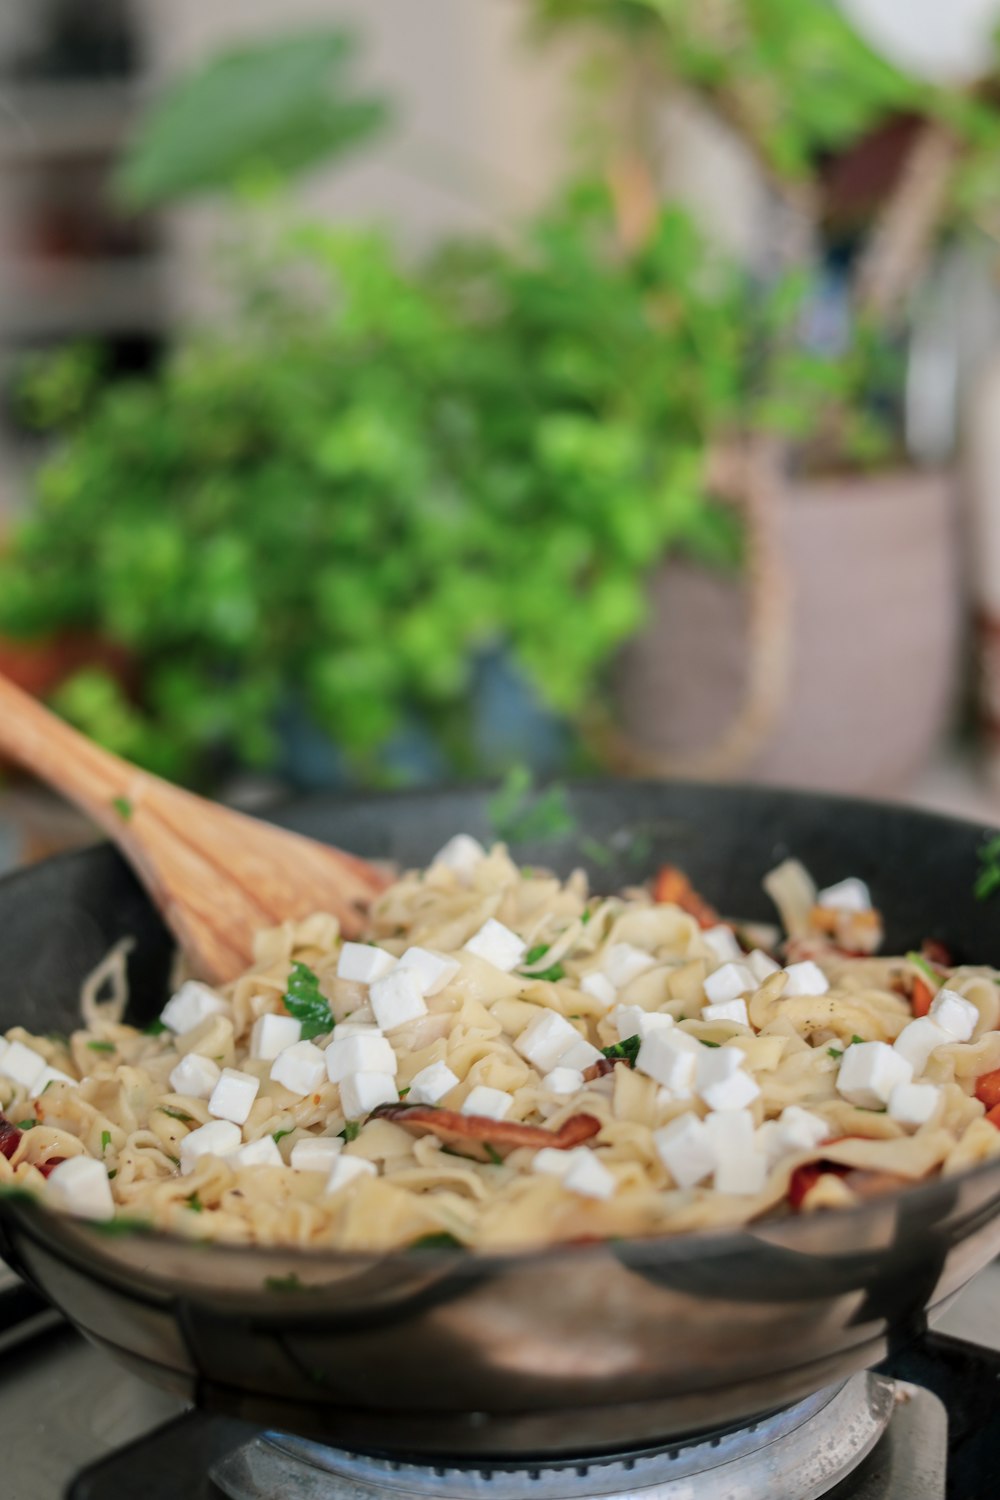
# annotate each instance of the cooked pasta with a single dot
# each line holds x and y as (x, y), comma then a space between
(510, 1061)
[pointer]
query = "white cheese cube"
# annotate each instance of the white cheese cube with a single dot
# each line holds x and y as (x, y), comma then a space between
(729, 983)
(685, 1149)
(47, 1076)
(363, 963)
(262, 1153)
(79, 1185)
(666, 1057)
(949, 1010)
(431, 1084)
(348, 1169)
(432, 971)
(563, 1081)
(316, 1153)
(632, 1020)
(580, 1054)
(800, 1130)
(4, 1044)
(727, 1010)
(360, 1093)
(301, 1069)
(623, 962)
(22, 1064)
(192, 1004)
(397, 999)
(599, 987)
(868, 1073)
(552, 1163)
(544, 1040)
(359, 1054)
(717, 1064)
(730, 1093)
(588, 1176)
(805, 978)
(742, 1174)
(917, 1040)
(731, 1131)
(847, 895)
(913, 1103)
(723, 943)
(497, 945)
(351, 1027)
(761, 965)
(482, 1100)
(462, 855)
(233, 1096)
(271, 1034)
(217, 1138)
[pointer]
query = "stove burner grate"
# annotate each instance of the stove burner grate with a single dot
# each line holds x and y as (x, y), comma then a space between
(800, 1453)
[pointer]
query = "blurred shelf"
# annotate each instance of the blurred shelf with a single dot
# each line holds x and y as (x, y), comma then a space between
(73, 119)
(49, 298)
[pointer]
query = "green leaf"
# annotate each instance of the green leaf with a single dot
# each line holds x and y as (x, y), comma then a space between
(102, 1046)
(926, 968)
(105, 1140)
(493, 1154)
(263, 112)
(155, 1028)
(705, 1043)
(195, 1204)
(439, 1240)
(122, 807)
(176, 1114)
(834, 1052)
(988, 880)
(624, 1051)
(351, 1130)
(26, 1124)
(279, 1135)
(304, 1001)
(289, 1283)
(554, 972)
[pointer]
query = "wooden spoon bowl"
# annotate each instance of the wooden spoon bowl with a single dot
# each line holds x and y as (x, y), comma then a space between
(217, 876)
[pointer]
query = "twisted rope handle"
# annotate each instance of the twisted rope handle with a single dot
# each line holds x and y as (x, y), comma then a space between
(756, 477)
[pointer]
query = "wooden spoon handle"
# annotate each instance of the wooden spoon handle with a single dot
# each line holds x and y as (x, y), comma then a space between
(50, 749)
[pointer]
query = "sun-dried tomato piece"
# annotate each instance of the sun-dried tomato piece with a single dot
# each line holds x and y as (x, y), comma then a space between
(988, 1089)
(10, 1137)
(805, 1178)
(936, 953)
(921, 997)
(45, 1167)
(478, 1131)
(672, 887)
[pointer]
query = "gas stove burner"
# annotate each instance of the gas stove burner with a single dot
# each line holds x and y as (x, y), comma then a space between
(800, 1453)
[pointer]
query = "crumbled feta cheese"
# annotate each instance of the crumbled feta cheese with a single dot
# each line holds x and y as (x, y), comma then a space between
(727, 1010)
(685, 1149)
(359, 1054)
(493, 1103)
(431, 1084)
(847, 895)
(868, 1073)
(363, 963)
(262, 1153)
(47, 1076)
(300, 1069)
(217, 1138)
(22, 1064)
(588, 1176)
(800, 1130)
(761, 965)
(233, 1096)
(952, 1012)
(79, 1185)
(720, 1080)
(348, 1169)
(4, 1044)
(805, 978)
(741, 1174)
(397, 999)
(632, 1020)
(360, 1093)
(917, 1040)
(544, 1040)
(462, 855)
(563, 1081)
(580, 1054)
(192, 1004)
(497, 945)
(740, 1168)
(316, 1153)
(599, 987)
(729, 983)
(913, 1103)
(551, 1162)
(670, 1058)
(271, 1034)
(351, 1027)
(723, 943)
(432, 971)
(623, 962)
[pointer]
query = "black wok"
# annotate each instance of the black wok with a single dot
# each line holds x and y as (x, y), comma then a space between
(565, 1351)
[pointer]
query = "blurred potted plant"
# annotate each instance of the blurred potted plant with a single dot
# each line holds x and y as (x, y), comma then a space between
(867, 170)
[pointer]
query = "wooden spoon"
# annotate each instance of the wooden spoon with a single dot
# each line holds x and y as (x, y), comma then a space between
(217, 876)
